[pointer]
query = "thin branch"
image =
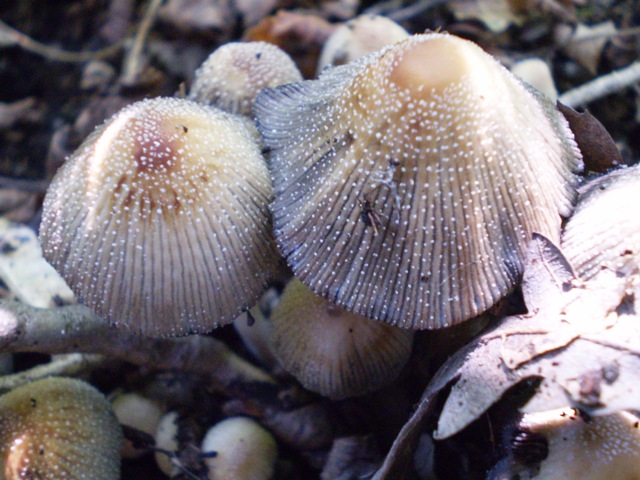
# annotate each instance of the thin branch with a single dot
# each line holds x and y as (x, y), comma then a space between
(76, 328)
(10, 36)
(602, 86)
(133, 64)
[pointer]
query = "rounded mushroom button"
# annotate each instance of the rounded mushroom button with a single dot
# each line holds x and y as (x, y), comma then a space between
(231, 77)
(408, 183)
(333, 352)
(239, 448)
(58, 428)
(159, 222)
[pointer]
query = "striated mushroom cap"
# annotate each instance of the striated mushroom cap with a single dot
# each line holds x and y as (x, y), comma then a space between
(231, 77)
(358, 37)
(604, 231)
(159, 221)
(333, 352)
(408, 183)
(58, 428)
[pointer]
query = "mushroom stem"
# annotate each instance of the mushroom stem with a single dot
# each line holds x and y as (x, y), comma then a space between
(76, 328)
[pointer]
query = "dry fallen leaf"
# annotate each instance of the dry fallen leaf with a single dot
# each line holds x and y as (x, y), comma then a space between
(581, 339)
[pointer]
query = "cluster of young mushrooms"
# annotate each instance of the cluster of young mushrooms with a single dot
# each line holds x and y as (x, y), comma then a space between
(401, 188)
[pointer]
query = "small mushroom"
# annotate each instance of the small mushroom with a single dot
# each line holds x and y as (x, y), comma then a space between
(358, 37)
(604, 231)
(159, 222)
(239, 448)
(231, 77)
(167, 445)
(408, 183)
(563, 444)
(141, 413)
(58, 428)
(331, 351)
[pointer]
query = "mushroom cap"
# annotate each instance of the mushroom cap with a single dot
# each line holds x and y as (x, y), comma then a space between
(358, 37)
(159, 221)
(244, 450)
(408, 192)
(138, 412)
(602, 448)
(333, 352)
(58, 428)
(604, 231)
(167, 439)
(231, 77)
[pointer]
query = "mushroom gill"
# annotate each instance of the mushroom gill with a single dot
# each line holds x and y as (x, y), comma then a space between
(408, 183)
(159, 221)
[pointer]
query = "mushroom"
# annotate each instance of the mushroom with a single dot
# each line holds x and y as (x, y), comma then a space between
(408, 183)
(563, 444)
(335, 353)
(159, 222)
(231, 77)
(167, 445)
(358, 37)
(604, 231)
(239, 448)
(141, 413)
(58, 428)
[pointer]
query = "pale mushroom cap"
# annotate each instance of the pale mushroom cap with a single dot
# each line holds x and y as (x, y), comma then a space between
(602, 448)
(333, 352)
(604, 231)
(245, 450)
(58, 428)
(408, 192)
(137, 412)
(231, 77)
(359, 37)
(166, 437)
(159, 222)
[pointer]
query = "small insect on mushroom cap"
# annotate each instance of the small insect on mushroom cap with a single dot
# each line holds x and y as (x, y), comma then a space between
(159, 221)
(335, 353)
(58, 428)
(231, 77)
(408, 183)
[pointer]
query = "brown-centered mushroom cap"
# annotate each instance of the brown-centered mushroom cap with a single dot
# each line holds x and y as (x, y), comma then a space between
(159, 221)
(408, 183)
(332, 352)
(231, 77)
(58, 428)
(604, 231)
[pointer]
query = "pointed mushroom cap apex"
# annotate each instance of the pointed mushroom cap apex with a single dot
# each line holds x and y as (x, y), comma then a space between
(408, 183)
(159, 222)
(333, 352)
(58, 428)
(231, 77)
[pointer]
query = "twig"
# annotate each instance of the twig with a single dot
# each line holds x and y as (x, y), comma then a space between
(71, 365)
(602, 86)
(133, 65)
(76, 328)
(10, 36)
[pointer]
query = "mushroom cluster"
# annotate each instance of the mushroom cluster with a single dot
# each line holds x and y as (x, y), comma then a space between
(408, 183)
